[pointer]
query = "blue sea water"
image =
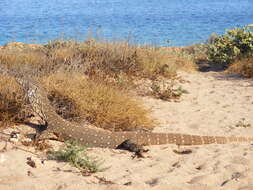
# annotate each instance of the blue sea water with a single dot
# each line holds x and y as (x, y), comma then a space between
(182, 22)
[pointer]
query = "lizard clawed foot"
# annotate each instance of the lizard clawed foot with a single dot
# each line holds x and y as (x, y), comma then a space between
(182, 151)
(132, 147)
(40, 140)
(44, 135)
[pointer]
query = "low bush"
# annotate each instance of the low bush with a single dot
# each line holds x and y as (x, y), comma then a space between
(236, 43)
(167, 92)
(92, 57)
(76, 155)
(101, 104)
(243, 66)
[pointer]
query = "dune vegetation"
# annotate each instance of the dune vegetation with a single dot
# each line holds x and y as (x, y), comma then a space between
(89, 81)
(97, 81)
(233, 50)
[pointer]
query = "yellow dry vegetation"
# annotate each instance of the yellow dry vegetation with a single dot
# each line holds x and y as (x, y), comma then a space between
(243, 66)
(90, 80)
(12, 102)
(102, 105)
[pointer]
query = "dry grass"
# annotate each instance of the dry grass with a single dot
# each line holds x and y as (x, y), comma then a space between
(12, 102)
(19, 58)
(243, 66)
(92, 57)
(137, 61)
(164, 62)
(89, 80)
(102, 105)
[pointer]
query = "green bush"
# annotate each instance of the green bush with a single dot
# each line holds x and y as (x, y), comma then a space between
(76, 155)
(236, 43)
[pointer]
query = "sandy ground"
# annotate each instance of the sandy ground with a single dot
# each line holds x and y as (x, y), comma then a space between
(214, 106)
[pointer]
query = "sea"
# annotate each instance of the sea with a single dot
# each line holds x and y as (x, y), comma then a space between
(153, 22)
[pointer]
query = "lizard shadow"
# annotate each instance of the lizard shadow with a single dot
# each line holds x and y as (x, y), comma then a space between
(237, 78)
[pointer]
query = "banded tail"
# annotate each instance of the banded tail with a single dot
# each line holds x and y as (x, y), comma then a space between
(144, 138)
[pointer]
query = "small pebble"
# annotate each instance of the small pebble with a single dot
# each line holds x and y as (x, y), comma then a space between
(13, 140)
(2, 158)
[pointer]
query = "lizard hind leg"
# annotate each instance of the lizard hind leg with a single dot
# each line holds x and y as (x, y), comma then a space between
(44, 133)
(182, 151)
(132, 147)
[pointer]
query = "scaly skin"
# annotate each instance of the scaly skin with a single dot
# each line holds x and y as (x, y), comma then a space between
(65, 130)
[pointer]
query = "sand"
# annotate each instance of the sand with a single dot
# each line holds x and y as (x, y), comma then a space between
(215, 105)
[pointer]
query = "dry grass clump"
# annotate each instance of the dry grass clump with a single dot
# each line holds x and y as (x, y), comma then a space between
(243, 66)
(19, 58)
(92, 57)
(12, 101)
(115, 58)
(89, 79)
(164, 62)
(141, 61)
(101, 104)
(167, 92)
(39, 60)
(198, 51)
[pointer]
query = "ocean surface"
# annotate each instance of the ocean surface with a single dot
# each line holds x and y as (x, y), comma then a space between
(156, 22)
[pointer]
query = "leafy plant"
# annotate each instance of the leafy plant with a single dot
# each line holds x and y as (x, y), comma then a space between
(236, 43)
(76, 156)
(167, 92)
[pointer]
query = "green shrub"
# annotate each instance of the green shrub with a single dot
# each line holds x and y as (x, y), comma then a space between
(167, 92)
(76, 155)
(236, 43)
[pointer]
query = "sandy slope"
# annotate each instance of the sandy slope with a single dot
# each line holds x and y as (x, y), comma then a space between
(215, 105)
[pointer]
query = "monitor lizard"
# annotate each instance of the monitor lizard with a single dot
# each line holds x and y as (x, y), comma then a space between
(128, 140)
